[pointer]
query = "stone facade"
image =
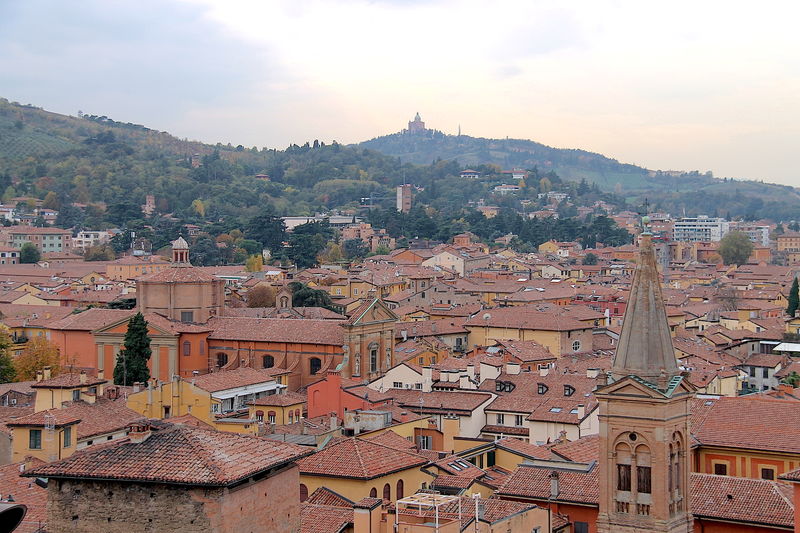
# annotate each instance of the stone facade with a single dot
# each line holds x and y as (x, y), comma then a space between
(256, 506)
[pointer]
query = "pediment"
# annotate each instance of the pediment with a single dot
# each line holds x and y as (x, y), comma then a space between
(375, 312)
(120, 327)
(629, 386)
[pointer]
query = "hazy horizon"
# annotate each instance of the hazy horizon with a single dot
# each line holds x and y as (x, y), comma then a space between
(678, 87)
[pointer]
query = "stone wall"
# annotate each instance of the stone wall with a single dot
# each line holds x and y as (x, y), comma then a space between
(263, 506)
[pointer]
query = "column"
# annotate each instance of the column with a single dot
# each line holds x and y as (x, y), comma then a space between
(101, 359)
(173, 361)
(155, 359)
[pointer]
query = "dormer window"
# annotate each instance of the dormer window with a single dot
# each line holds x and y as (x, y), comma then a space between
(569, 390)
(541, 388)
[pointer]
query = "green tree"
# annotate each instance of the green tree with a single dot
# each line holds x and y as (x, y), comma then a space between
(354, 248)
(305, 296)
(792, 379)
(29, 253)
(7, 370)
(794, 299)
(100, 252)
(735, 248)
(590, 259)
(132, 360)
(267, 229)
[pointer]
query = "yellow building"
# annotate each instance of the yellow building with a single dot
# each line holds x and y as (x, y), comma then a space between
(286, 408)
(69, 387)
(358, 468)
(173, 398)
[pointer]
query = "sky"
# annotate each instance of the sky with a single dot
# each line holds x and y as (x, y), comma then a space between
(666, 85)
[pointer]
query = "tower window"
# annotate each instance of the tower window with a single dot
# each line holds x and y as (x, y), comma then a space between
(721, 469)
(643, 479)
(624, 477)
(373, 359)
(315, 365)
(268, 361)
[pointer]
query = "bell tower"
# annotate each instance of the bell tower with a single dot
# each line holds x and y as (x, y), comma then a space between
(644, 418)
(180, 252)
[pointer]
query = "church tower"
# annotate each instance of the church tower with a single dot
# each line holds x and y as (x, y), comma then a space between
(644, 418)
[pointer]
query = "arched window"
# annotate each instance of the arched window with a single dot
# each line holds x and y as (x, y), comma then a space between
(187, 348)
(399, 491)
(271, 417)
(315, 365)
(643, 470)
(260, 415)
(387, 492)
(268, 361)
(297, 414)
(303, 492)
(222, 359)
(291, 417)
(373, 492)
(284, 302)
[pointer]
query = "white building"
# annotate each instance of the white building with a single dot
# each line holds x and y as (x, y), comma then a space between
(88, 238)
(759, 235)
(700, 229)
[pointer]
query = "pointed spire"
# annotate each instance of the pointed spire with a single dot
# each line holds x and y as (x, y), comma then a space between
(645, 345)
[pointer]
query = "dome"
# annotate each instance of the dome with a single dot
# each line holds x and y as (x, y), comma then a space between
(180, 244)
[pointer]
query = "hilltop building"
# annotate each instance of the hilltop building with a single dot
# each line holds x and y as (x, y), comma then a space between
(416, 126)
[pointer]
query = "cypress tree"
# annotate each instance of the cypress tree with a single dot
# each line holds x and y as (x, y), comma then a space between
(132, 360)
(794, 299)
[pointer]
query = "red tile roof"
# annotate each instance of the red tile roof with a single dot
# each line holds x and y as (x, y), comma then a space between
(755, 501)
(69, 380)
(177, 454)
(392, 440)
(281, 400)
(533, 482)
(92, 319)
(178, 274)
(524, 448)
(325, 496)
(525, 318)
(296, 330)
(583, 450)
(99, 418)
(750, 423)
(26, 492)
(231, 379)
(324, 518)
(359, 459)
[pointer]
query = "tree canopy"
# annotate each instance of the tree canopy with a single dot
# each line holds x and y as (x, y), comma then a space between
(735, 248)
(132, 359)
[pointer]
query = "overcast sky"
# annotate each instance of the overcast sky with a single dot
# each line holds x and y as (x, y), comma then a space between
(668, 85)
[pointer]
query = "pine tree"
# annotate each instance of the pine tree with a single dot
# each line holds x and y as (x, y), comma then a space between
(794, 299)
(132, 360)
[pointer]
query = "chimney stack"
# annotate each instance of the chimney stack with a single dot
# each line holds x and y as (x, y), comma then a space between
(334, 421)
(46, 373)
(38, 375)
(592, 373)
(427, 379)
(139, 432)
(581, 411)
(554, 487)
(83, 377)
(543, 371)
(471, 371)
(512, 369)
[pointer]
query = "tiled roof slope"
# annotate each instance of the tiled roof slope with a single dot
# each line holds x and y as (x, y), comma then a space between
(583, 450)
(27, 493)
(534, 483)
(179, 454)
(299, 330)
(324, 518)
(358, 459)
(735, 498)
(103, 416)
(230, 379)
(67, 381)
(750, 423)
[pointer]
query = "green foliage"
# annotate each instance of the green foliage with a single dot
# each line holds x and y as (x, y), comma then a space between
(305, 296)
(100, 252)
(793, 379)
(132, 360)
(29, 253)
(590, 259)
(122, 303)
(793, 300)
(354, 249)
(7, 370)
(267, 229)
(735, 248)
(205, 252)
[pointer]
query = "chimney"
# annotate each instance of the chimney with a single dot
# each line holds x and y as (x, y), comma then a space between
(427, 379)
(602, 379)
(592, 373)
(554, 487)
(543, 371)
(512, 369)
(137, 386)
(38, 375)
(404, 334)
(463, 382)
(471, 371)
(46, 373)
(581, 411)
(334, 421)
(83, 377)
(139, 432)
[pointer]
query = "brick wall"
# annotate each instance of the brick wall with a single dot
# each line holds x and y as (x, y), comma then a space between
(263, 506)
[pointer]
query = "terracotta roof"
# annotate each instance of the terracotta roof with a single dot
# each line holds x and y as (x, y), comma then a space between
(297, 330)
(178, 274)
(392, 440)
(438, 401)
(68, 381)
(525, 318)
(523, 448)
(92, 319)
(325, 496)
(754, 501)
(454, 482)
(750, 423)
(99, 418)
(324, 518)
(533, 482)
(231, 379)
(22, 387)
(26, 492)
(583, 450)
(177, 454)
(280, 400)
(359, 459)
